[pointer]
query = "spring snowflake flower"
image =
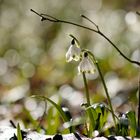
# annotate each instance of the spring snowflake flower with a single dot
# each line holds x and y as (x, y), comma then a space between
(73, 52)
(86, 65)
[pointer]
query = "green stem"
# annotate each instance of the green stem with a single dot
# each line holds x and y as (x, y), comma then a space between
(139, 102)
(107, 94)
(86, 88)
(105, 87)
(89, 111)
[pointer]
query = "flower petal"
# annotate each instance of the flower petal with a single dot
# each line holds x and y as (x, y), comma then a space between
(86, 65)
(68, 55)
(73, 53)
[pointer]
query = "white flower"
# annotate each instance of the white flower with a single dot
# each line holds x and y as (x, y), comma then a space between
(86, 65)
(73, 52)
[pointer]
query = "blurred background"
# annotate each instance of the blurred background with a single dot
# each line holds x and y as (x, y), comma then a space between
(32, 57)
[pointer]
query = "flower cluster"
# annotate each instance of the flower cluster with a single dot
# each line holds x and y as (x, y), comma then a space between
(74, 52)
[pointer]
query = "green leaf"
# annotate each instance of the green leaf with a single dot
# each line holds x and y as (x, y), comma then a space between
(62, 113)
(19, 135)
(91, 121)
(132, 121)
(65, 119)
(100, 114)
(123, 125)
(30, 118)
(52, 128)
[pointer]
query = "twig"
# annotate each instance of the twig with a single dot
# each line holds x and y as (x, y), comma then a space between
(138, 13)
(108, 39)
(53, 19)
(83, 16)
(13, 124)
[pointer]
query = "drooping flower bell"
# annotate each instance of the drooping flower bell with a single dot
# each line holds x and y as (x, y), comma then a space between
(86, 65)
(73, 52)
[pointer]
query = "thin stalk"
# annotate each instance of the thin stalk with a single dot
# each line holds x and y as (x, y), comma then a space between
(139, 102)
(107, 94)
(89, 111)
(138, 119)
(86, 89)
(105, 87)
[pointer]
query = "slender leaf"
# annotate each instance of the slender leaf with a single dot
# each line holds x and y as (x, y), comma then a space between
(52, 128)
(99, 113)
(58, 107)
(132, 120)
(19, 135)
(30, 118)
(92, 119)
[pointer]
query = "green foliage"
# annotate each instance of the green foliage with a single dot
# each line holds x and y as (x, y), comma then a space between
(102, 114)
(59, 109)
(19, 135)
(53, 121)
(99, 113)
(132, 122)
(127, 124)
(30, 119)
(123, 125)
(54, 104)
